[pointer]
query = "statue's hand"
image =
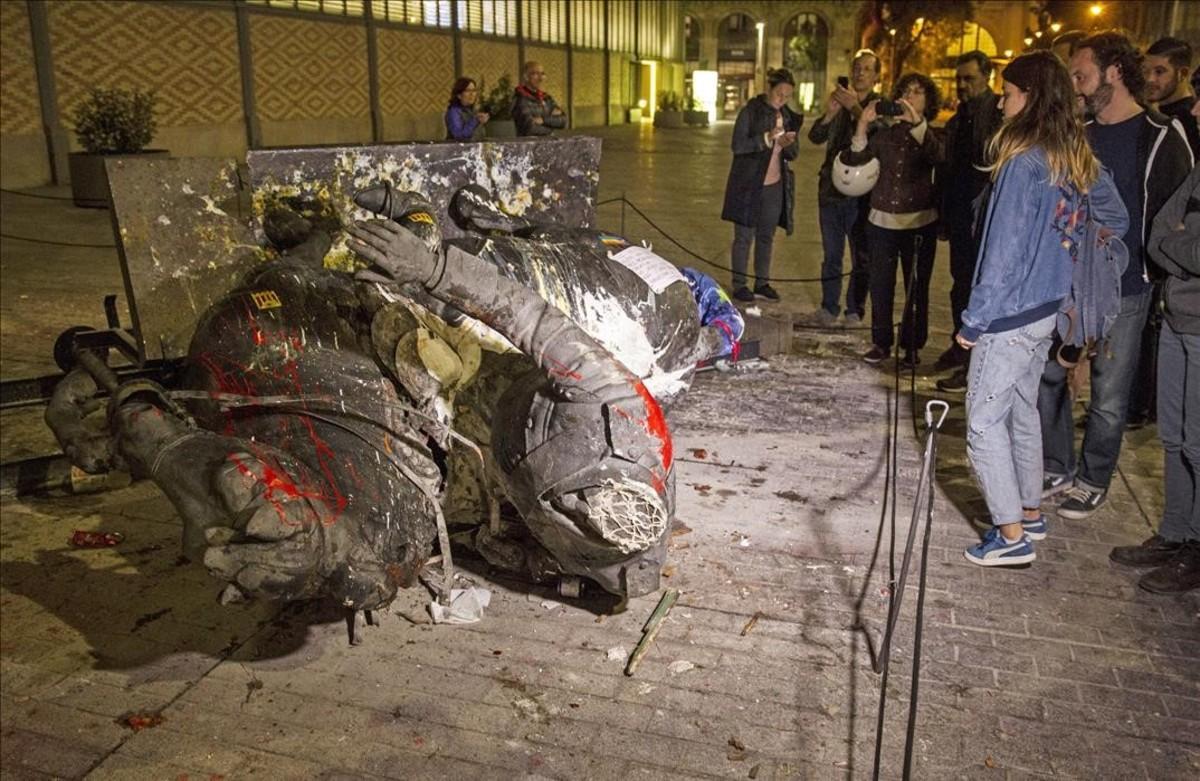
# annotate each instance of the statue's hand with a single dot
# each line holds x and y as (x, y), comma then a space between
(396, 254)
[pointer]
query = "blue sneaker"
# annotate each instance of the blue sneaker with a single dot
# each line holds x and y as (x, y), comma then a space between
(995, 551)
(1035, 530)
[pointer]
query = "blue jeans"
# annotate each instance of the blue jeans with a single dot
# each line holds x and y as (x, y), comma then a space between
(1004, 438)
(841, 221)
(1179, 428)
(1112, 374)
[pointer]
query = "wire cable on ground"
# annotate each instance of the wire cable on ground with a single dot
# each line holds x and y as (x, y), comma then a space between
(37, 195)
(56, 243)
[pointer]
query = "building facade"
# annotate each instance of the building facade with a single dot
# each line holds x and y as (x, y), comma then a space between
(238, 74)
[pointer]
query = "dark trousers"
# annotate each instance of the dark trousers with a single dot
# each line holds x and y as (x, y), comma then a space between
(963, 252)
(841, 221)
(889, 247)
(762, 234)
(1144, 392)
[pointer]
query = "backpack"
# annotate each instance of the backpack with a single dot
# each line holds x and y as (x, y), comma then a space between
(1087, 314)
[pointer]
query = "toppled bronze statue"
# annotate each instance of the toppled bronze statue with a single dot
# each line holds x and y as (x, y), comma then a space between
(329, 426)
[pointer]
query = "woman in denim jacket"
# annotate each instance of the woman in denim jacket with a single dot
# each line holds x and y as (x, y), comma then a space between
(1042, 170)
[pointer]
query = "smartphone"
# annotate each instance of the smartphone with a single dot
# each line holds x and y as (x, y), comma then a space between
(843, 82)
(889, 108)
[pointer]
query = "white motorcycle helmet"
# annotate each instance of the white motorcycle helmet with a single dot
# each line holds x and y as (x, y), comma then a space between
(854, 180)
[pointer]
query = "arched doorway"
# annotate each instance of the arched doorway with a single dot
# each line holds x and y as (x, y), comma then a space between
(738, 41)
(805, 52)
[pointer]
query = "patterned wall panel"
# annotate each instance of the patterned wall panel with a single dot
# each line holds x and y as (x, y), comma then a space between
(489, 60)
(19, 108)
(416, 71)
(555, 63)
(588, 71)
(187, 54)
(308, 69)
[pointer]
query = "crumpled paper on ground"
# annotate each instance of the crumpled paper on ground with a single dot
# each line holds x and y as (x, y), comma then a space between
(466, 606)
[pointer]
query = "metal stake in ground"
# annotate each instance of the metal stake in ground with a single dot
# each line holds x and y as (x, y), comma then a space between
(650, 630)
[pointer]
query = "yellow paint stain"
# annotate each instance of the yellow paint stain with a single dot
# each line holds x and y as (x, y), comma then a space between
(266, 299)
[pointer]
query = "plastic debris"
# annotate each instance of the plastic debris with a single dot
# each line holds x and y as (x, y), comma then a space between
(466, 606)
(617, 654)
(680, 666)
(744, 542)
(85, 539)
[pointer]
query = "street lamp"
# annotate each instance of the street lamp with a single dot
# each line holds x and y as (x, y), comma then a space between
(1055, 27)
(1096, 9)
(1008, 53)
(1028, 40)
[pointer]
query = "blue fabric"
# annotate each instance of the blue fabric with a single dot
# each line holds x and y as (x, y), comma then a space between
(1114, 145)
(461, 124)
(1090, 310)
(1029, 232)
(716, 310)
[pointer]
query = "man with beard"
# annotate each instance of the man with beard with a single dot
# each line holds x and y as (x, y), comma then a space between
(967, 135)
(1167, 67)
(1149, 157)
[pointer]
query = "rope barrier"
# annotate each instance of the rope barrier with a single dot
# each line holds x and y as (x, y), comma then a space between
(637, 210)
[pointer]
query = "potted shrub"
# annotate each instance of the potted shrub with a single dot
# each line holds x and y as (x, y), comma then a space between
(694, 114)
(498, 105)
(669, 113)
(108, 123)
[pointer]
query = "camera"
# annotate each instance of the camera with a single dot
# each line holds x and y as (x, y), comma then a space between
(889, 108)
(843, 82)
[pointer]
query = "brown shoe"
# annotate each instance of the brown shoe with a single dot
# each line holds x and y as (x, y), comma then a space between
(1181, 574)
(1153, 552)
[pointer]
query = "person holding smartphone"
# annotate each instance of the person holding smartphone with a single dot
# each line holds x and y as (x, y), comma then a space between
(760, 193)
(902, 222)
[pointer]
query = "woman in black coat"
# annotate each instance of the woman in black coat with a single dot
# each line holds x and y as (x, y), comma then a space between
(760, 192)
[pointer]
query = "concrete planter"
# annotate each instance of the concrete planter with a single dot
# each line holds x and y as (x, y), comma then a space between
(696, 118)
(668, 119)
(501, 128)
(89, 180)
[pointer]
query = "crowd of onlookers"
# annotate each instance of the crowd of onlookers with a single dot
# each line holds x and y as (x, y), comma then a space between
(1071, 207)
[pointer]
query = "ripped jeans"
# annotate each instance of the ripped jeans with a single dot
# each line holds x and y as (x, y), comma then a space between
(1004, 432)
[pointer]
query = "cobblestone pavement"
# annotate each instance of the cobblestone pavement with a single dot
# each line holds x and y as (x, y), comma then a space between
(763, 669)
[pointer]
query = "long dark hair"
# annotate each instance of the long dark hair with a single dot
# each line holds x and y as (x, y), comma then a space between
(460, 85)
(1048, 120)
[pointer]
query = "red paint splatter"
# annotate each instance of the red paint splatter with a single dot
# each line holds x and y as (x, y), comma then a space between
(562, 372)
(656, 423)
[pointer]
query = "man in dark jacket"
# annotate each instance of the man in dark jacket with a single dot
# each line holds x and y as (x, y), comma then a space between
(1174, 551)
(1149, 157)
(967, 135)
(1168, 65)
(535, 112)
(843, 217)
